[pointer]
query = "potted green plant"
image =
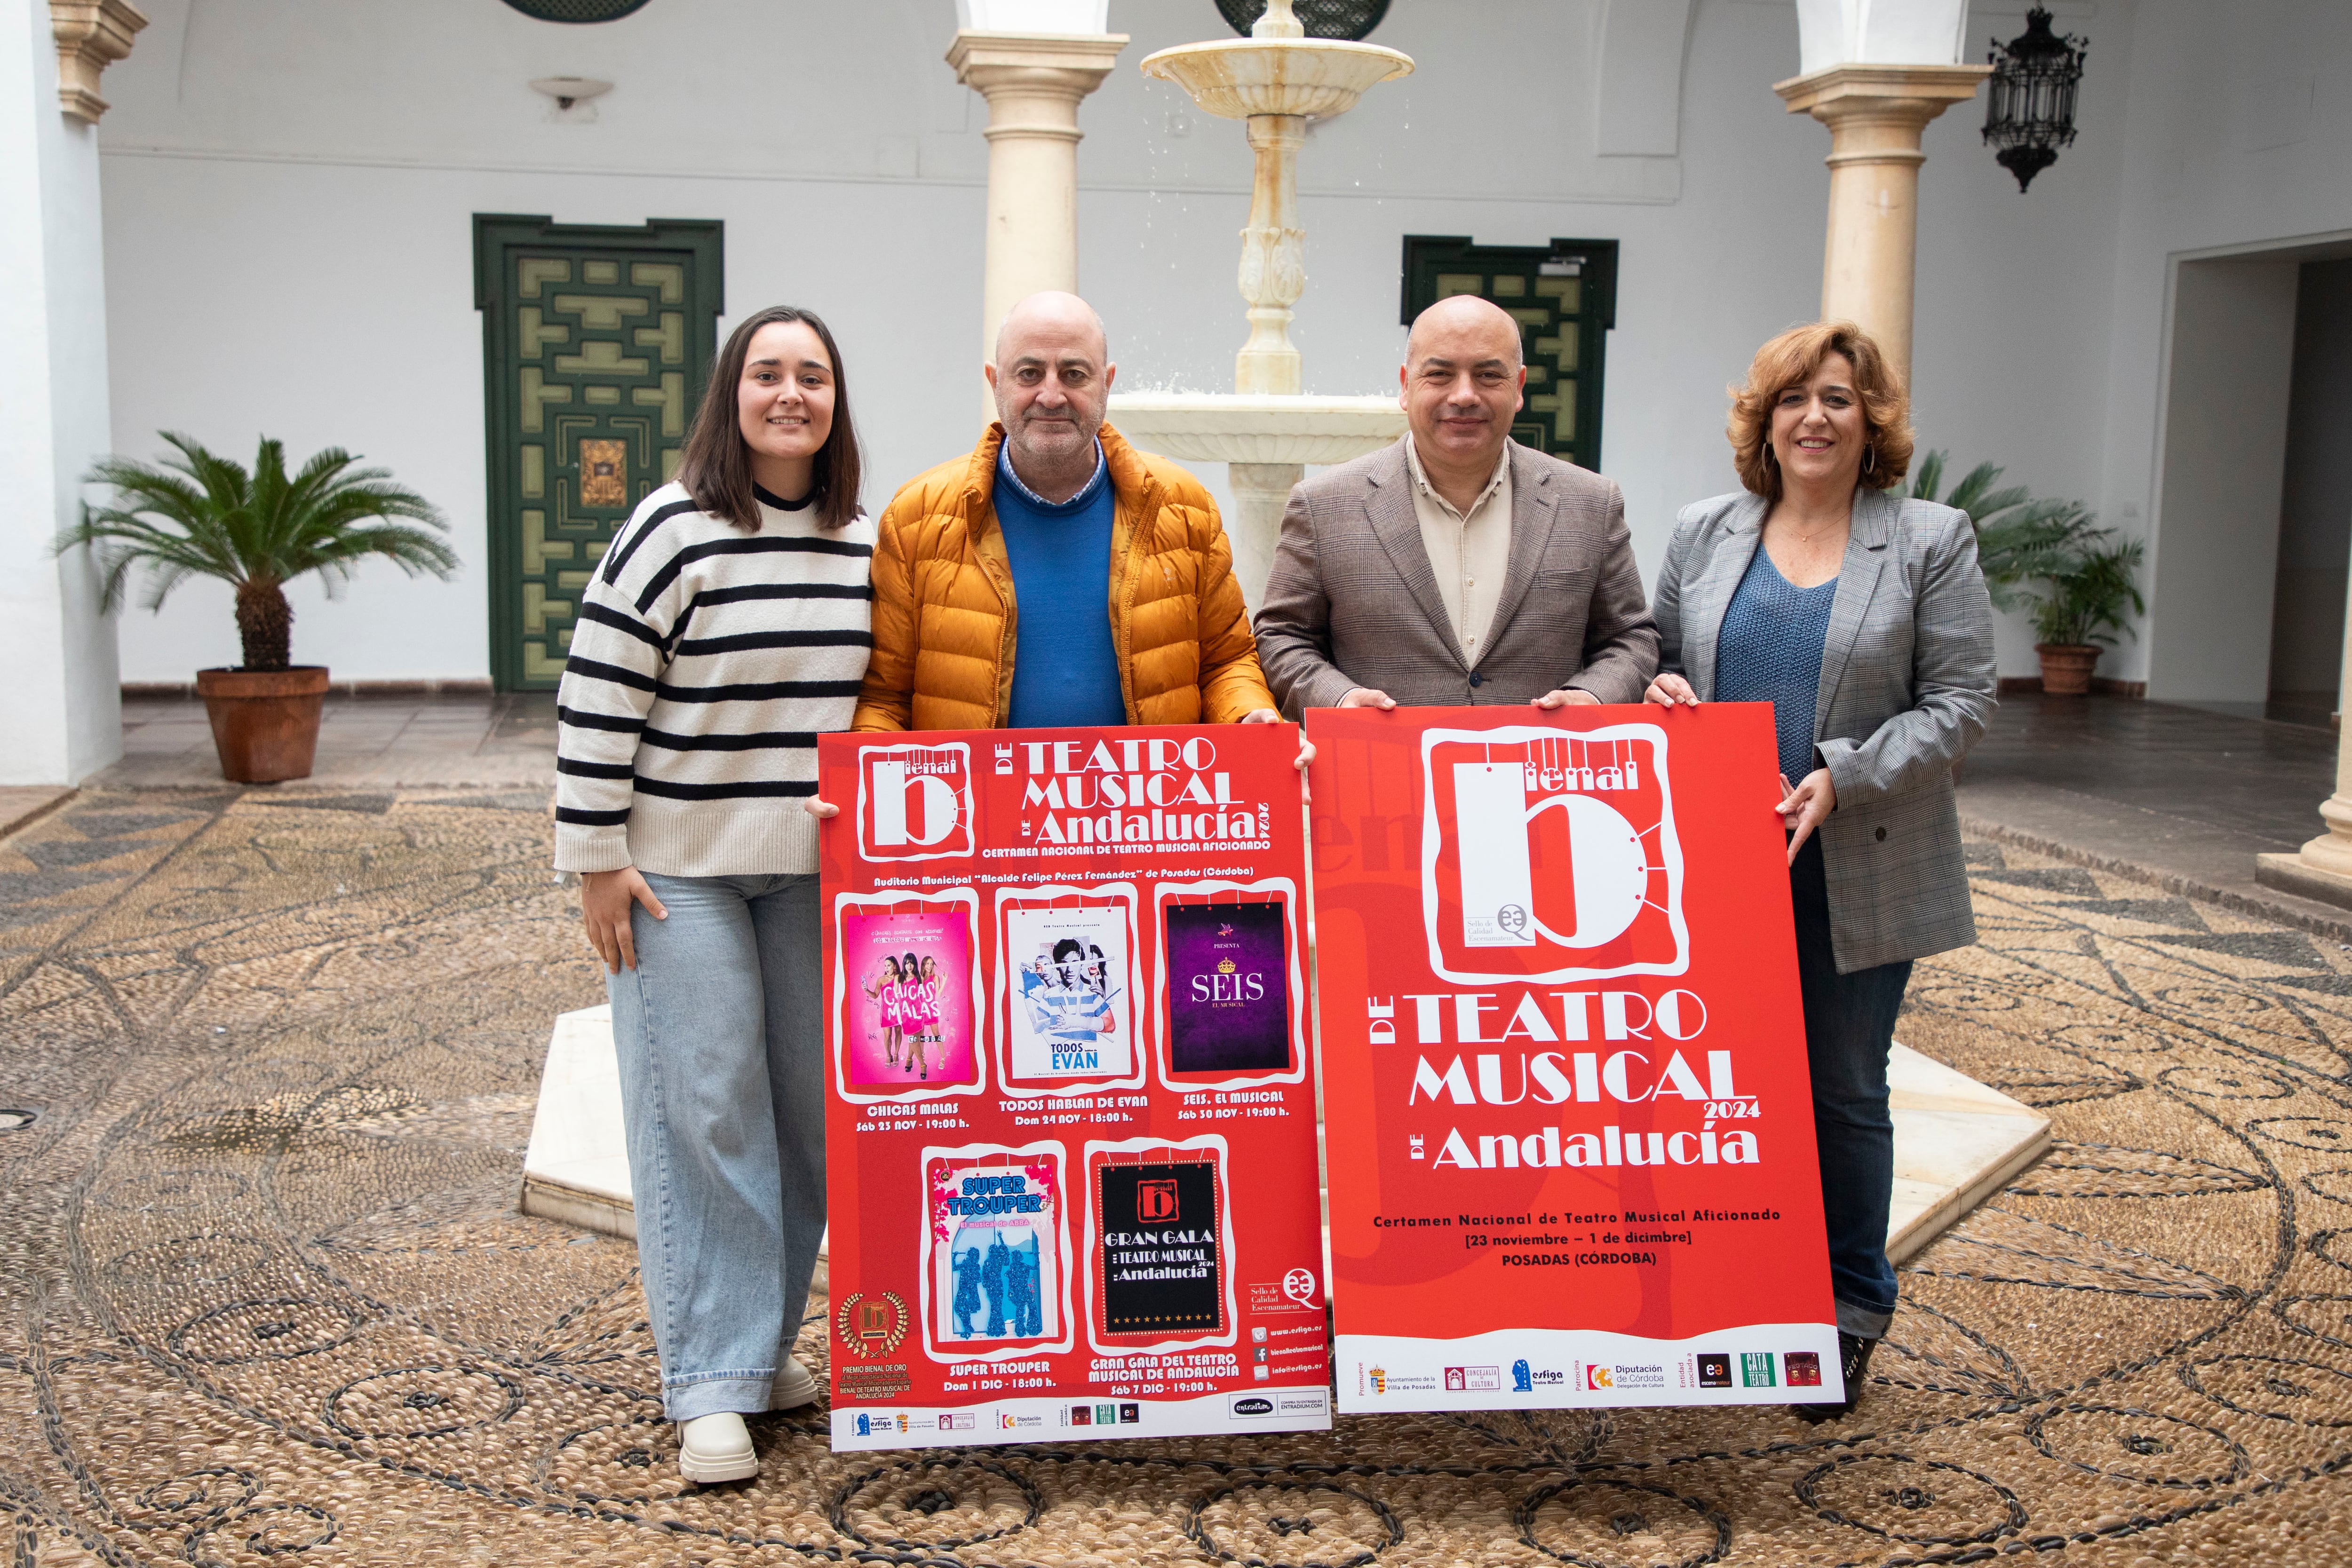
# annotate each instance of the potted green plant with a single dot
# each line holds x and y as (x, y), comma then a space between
(2089, 593)
(2017, 538)
(202, 515)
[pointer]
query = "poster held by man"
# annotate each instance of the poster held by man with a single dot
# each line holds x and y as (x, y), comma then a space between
(1559, 1005)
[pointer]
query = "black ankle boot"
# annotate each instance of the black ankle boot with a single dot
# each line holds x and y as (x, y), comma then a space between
(1853, 1362)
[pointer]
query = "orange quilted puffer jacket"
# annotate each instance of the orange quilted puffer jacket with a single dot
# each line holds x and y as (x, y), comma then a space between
(944, 613)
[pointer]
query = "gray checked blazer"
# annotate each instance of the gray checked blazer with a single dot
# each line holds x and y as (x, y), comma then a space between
(1353, 602)
(1906, 686)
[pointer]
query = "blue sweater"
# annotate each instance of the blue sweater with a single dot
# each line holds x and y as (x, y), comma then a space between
(1771, 652)
(1064, 670)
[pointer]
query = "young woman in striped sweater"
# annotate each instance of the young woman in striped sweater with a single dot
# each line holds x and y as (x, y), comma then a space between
(727, 626)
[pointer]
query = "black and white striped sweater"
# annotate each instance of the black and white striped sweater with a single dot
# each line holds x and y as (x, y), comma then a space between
(704, 662)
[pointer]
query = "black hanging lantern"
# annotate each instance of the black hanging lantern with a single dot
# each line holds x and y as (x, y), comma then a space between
(576, 11)
(2030, 113)
(1348, 19)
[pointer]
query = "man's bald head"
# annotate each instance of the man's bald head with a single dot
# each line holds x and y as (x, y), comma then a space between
(1052, 378)
(1462, 381)
(1051, 314)
(1466, 329)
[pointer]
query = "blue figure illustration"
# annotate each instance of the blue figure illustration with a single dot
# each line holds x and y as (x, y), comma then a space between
(991, 1279)
(1021, 1294)
(1030, 1304)
(967, 1290)
(865, 1425)
(1522, 1381)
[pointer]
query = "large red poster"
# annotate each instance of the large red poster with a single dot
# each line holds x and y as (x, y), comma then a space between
(1573, 1160)
(1070, 1126)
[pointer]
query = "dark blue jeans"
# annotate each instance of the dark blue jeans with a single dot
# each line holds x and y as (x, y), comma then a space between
(1849, 1027)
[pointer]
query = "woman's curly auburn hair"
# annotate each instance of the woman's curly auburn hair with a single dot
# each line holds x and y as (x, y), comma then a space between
(1791, 360)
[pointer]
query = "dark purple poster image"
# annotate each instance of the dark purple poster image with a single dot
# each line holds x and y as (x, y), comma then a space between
(1228, 997)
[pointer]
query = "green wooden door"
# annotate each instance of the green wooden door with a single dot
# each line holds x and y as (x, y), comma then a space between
(1565, 297)
(595, 344)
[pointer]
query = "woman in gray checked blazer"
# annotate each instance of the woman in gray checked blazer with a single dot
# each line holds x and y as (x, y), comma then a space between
(1863, 619)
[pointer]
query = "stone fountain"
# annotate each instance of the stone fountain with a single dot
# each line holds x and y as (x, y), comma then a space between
(1266, 428)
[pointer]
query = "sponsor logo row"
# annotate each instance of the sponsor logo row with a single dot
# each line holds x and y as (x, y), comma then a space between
(1707, 1369)
(1107, 1413)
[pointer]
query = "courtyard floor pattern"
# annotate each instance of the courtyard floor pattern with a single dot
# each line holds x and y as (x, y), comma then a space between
(266, 1068)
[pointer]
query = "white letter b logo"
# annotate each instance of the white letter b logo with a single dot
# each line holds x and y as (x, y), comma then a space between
(934, 811)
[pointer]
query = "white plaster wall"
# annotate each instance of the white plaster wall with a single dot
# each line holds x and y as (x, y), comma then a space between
(63, 708)
(290, 185)
(2237, 134)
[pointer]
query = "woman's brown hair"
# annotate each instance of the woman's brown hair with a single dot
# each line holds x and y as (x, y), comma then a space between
(716, 467)
(1791, 360)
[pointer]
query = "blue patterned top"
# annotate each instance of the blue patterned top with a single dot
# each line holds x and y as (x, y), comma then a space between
(1771, 652)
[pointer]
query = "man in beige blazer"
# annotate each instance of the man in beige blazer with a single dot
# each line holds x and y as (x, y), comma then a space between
(1455, 566)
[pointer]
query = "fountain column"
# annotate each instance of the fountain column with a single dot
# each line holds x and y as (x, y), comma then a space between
(1034, 82)
(1274, 257)
(1266, 431)
(1273, 276)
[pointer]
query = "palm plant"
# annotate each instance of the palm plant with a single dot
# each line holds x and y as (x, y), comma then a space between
(203, 515)
(2019, 539)
(2087, 595)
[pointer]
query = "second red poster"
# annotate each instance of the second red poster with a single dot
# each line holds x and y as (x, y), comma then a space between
(1564, 1056)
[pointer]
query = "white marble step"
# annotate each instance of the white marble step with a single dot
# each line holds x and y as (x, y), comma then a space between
(1956, 1142)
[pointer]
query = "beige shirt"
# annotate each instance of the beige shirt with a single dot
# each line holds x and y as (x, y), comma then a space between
(1468, 553)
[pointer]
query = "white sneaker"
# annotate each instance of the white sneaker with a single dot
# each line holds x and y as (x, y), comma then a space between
(794, 1386)
(716, 1449)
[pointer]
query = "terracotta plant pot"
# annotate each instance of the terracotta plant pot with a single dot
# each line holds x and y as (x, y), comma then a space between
(265, 722)
(2066, 667)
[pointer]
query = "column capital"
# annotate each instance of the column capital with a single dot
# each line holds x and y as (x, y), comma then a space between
(1071, 63)
(1913, 93)
(91, 35)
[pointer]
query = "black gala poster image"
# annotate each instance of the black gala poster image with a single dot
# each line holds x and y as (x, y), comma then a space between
(1162, 1271)
(1228, 993)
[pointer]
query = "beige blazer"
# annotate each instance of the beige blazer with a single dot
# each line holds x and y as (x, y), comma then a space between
(1353, 602)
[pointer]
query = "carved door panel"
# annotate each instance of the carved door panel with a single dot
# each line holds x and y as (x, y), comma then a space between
(596, 342)
(1564, 296)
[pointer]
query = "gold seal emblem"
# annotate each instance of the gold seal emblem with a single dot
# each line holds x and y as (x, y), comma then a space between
(871, 1326)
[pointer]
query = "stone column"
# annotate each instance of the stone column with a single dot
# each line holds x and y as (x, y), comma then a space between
(1032, 82)
(2322, 869)
(65, 715)
(1875, 114)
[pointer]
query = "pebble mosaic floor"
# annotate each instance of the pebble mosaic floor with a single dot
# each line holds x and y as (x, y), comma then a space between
(267, 1066)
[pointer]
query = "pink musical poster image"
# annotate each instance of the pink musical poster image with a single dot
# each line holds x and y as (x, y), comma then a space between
(908, 999)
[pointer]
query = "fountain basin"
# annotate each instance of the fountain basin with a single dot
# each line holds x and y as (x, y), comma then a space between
(1241, 427)
(1268, 440)
(1237, 77)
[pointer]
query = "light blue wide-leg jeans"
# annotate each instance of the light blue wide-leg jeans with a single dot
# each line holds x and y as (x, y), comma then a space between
(718, 1029)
